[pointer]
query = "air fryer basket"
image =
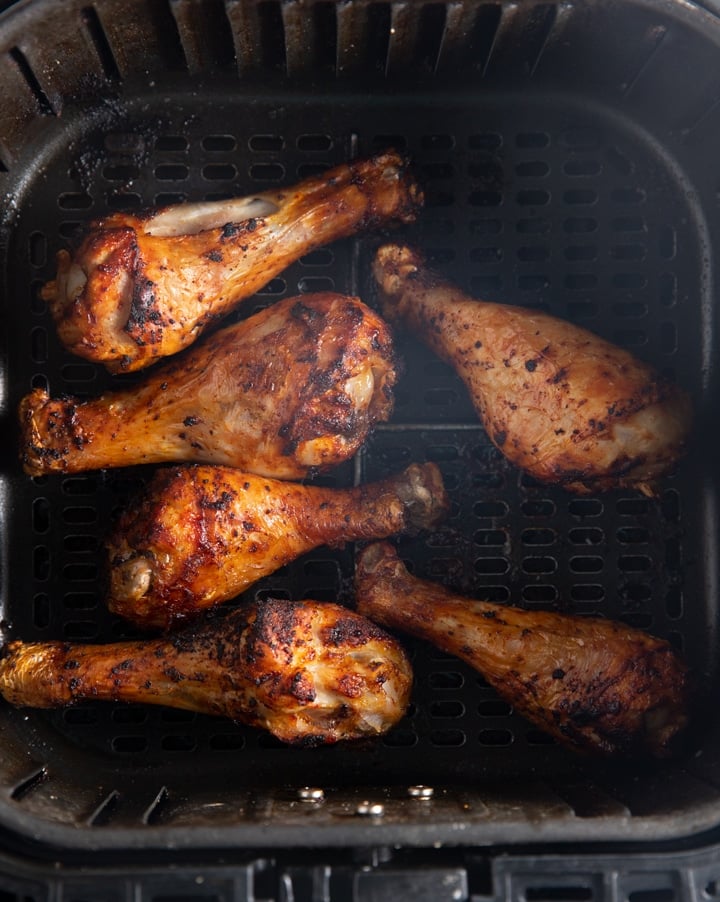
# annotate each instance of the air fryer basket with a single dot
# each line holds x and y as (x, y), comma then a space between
(569, 155)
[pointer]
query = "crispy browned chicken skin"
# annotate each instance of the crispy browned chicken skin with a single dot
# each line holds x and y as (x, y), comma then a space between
(308, 672)
(294, 387)
(559, 402)
(200, 534)
(594, 685)
(144, 286)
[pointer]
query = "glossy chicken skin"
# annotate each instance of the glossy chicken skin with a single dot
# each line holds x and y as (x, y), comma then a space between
(309, 672)
(595, 685)
(144, 286)
(559, 402)
(295, 387)
(200, 534)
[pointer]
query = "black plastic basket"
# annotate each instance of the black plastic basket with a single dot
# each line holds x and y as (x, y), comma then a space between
(568, 152)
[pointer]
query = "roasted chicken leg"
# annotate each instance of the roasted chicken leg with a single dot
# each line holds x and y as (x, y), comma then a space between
(594, 685)
(310, 673)
(559, 402)
(141, 287)
(200, 535)
(294, 387)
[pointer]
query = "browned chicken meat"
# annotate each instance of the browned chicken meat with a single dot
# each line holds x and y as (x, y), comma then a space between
(309, 672)
(144, 286)
(297, 386)
(595, 685)
(559, 402)
(201, 534)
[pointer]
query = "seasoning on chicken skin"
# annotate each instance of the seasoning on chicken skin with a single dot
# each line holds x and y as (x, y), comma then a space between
(200, 535)
(144, 286)
(311, 673)
(559, 402)
(595, 685)
(295, 387)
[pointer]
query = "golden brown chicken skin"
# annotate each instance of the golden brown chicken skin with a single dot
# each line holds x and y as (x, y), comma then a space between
(595, 685)
(311, 673)
(559, 402)
(144, 286)
(200, 535)
(294, 387)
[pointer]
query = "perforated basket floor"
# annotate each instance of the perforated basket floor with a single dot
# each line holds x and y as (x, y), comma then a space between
(536, 195)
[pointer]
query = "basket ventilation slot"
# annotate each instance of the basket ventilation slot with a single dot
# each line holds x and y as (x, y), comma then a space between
(44, 103)
(100, 41)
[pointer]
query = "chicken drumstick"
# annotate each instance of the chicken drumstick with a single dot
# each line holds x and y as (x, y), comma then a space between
(594, 685)
(309, 672)
(144, 286)
(200, 534)
(296, 386)
(559, 402)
